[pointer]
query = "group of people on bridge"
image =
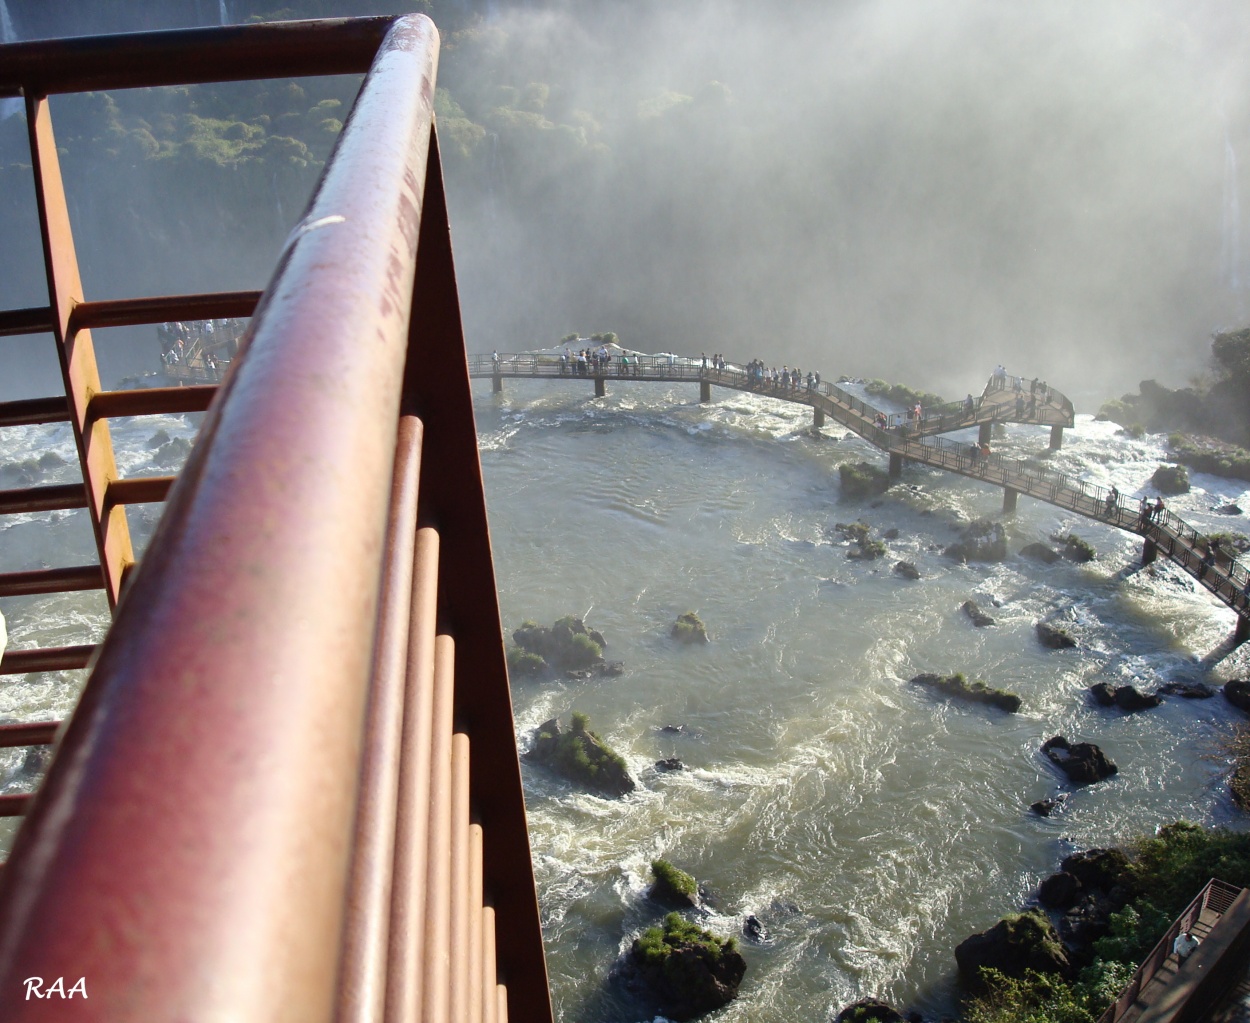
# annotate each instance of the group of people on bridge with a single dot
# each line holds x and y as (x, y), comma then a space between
(788, 379)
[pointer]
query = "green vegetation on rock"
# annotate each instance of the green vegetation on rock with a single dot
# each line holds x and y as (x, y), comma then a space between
(581, 756)
(973, 692)
(656, 944)
(689, 628)
(902, 395)
(673, 885)
(863, 479)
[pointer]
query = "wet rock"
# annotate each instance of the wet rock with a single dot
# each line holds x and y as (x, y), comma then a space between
(1228, 509)
(1045, 807)
(1237, 692)
(174, 453)
(869, 1009)
(1083, 762)
(582, 757)
(1088, 919)
(670, 764)
(890, 534)
(1170, 479)
(159, 439)
(1059, 891)
(1013, 946)
(686, 971)
(672, 886)
(673, 729)
(1187, 690)
(979, 618)
(1097, 868)
(907, 570)
(568, 647)
(1040, 552)
(981, 540)
(755, 930)
(971, 692)
(1127, 698)
(1053, 636)
(689, 628)
(50, 460)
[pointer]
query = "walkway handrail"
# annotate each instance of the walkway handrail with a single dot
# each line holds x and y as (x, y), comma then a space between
(1217, 896)
(264, 806)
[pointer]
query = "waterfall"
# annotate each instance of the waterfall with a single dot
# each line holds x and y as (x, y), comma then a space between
(12, 106)
(1230, 242)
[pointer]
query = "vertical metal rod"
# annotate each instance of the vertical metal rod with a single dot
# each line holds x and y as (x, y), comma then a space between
(75, 353)
(435, 960)
(460, 943)
(362, 982)
(476, 934)
(501, 1003)
(490, 1001)
(407, 937)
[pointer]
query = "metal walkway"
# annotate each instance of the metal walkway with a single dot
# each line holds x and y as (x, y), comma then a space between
(1164, 533)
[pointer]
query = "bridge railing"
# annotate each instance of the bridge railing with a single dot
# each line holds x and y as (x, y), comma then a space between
(290, 789)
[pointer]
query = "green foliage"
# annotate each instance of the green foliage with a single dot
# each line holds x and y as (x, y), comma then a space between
(1135, 930)
(580, 721)
(582, 651)
(902, 394)
(525, 662)
(1176, 862)
(1231, 352)
(863, 479)
(676, 879)
(655, 944)
(1228, 460)
(1034, 998)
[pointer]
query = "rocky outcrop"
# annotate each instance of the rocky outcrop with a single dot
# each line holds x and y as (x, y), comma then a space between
(907, 570)
(1012, 946)
(1083, 762)
(1040, 552)
(957, 687)
(1059, 891)
(672, 887)
(1170, 479)
(684, 970)
(1089, 887)
(1053, 636)
(1237, 692)
(568, 646)
(981, 540)
(869, 1009)
(669, 764)
(1127, 698)
(973, 610)
(1045, 807)
(582, 757)
(689, 628)
(863, 479)
(1186, 690)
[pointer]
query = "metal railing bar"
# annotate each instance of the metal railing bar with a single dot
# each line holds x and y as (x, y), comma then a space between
(34, 411)
(14, 322)
(362, 987)
(138, 490)
(51, 580)
(191, 56)
(58, 497)
(35, 733)
(14, 805)
(460, 941)
(253, 613)
(151, 401)
(52, 658)
(127, 312)
(490, 997)
(408, 899)
(476, 965)
(435, 959)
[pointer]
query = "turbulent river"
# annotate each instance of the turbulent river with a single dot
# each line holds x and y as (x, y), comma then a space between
(868, 825)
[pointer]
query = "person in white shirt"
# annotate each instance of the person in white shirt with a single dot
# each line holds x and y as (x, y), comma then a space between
(1184, 945)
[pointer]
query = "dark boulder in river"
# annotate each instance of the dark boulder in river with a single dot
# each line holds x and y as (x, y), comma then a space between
(907, 570)
(1127, 698)
(972, 692)
(869, 1009)
(1040, 552)
(1237, 692)
(1083, 762)
(973, 610)
(686, 971)
(582, 757)
(981, 540)
(1054, 637)
(1013, 946)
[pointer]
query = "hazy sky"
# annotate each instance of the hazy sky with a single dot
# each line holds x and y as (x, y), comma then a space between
(910, 189)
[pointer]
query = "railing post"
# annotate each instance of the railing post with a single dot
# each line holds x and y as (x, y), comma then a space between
(984, 432)
(896, 465)
(1149, 551)
(1009, 499)
(705, 391)
(818, 417)
(1056, 437)
(600, 386)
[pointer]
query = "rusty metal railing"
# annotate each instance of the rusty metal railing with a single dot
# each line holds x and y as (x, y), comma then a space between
(290, 790)
(1215, 898)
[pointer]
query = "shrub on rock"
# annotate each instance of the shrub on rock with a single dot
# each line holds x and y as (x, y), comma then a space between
(689, 628)
(981, 540)
(1076, 549)
(959, 688)
(567, 646)
(1170, 479)
(686, 970)
(672, 886)
(582, 757)
(1013, 946)
(863, 479)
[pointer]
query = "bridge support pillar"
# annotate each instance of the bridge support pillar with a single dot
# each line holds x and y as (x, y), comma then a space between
(1009, 499)
(1242, 632)
(983, 434)
(1056, 438)
(818, 417)
(1149, 551)
(705, 391)
(496, 383)
(600, 387)
(896, 465)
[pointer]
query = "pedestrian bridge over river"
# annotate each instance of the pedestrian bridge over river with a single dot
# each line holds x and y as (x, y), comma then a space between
(1005, 400)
